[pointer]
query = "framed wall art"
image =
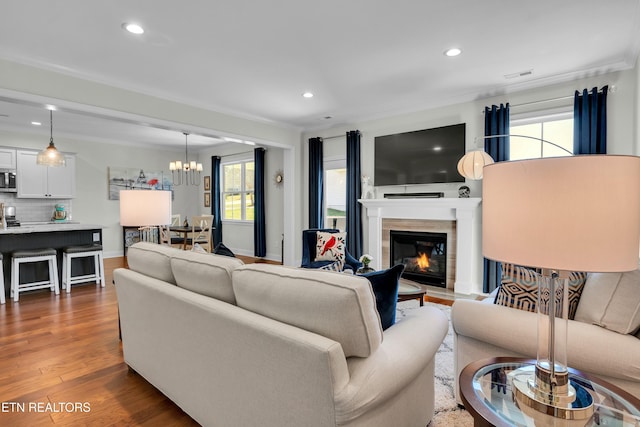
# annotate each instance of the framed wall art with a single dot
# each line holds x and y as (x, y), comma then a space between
(136, 179)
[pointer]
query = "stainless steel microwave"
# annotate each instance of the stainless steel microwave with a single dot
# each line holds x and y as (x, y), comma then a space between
(8, 181)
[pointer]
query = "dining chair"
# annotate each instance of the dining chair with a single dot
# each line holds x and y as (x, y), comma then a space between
(176, 239)
(165, 235)
(201, 232)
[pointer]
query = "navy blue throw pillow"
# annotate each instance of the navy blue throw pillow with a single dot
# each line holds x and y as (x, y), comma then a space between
(385, 287)
(221, 249)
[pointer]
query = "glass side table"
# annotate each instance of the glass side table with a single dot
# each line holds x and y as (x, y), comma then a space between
(487, 395)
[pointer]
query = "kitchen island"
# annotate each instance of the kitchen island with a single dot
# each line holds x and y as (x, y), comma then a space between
(38, 235)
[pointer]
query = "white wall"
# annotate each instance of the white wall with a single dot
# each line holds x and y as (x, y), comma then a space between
(622, 137)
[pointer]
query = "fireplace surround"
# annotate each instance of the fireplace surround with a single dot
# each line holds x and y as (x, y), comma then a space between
(461, 217)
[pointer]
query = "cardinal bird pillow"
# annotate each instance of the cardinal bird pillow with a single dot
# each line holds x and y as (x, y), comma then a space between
(330, 246)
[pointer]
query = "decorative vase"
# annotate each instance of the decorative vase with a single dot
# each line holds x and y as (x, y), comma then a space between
(365, 269)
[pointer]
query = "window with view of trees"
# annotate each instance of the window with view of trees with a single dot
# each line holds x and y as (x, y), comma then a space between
(238, 191)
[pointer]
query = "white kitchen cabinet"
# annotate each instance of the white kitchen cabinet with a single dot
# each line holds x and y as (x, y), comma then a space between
(7, 158)
(37, 181)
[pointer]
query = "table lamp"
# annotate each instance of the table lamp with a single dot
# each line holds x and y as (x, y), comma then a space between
(559, 215)
(145, 209)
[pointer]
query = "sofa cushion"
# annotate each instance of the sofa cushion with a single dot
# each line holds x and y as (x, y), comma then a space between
(385, 287)
(152, 260)
(205, 274)
(333, 266)
(519, 289)
(330, 246)
(337, 306)
(612, 301)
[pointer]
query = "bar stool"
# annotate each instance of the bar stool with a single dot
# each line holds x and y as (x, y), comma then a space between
(71, 252)
(2, 300)
(31, 256)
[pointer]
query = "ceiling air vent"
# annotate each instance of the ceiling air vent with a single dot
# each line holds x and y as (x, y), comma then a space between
(518, 74)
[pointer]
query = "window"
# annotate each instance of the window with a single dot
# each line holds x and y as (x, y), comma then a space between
(335, 194)
(238, 191)
(557, 129)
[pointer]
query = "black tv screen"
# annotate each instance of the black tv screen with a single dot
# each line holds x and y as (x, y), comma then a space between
(421, 157)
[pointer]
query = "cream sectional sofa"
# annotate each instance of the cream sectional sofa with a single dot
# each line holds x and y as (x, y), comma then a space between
(601, 339)
(239, 345)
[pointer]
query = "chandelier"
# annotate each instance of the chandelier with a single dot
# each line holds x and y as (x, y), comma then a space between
(191, 169)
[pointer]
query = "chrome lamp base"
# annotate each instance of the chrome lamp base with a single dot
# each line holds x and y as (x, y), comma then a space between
(567, 400)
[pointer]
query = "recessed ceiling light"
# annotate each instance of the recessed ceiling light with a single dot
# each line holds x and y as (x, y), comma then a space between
(454, 51)
(133, 28)
(437, 148)
(36, 123)
(307, 95)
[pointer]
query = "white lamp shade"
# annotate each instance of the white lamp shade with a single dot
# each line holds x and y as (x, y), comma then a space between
(145, 207)
(578, 213)
(471, 164)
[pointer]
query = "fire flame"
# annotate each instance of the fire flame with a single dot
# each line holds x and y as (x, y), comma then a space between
(423, 261)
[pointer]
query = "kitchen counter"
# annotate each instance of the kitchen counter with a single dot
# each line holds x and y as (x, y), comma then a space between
(46, 227)
(56, 235)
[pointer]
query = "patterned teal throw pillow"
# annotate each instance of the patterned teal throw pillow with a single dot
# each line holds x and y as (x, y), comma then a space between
(519, 289)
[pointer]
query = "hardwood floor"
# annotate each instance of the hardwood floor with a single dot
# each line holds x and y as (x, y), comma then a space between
(61, 363)
(64, 351)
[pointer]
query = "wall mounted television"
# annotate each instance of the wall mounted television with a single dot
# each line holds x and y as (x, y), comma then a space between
(420, 157)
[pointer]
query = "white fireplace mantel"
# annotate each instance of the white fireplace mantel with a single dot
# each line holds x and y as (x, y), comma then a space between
(465, 212)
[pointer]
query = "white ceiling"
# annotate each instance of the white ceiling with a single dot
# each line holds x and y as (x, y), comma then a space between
(361, 58)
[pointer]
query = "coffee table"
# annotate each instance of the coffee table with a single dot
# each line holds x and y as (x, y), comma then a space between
(408, 290)
(487, 394)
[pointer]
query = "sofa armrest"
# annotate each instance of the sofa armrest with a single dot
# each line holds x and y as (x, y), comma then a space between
(590, 348)
(407, 349)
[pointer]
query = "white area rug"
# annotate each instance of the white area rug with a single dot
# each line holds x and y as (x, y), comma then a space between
(447, 412)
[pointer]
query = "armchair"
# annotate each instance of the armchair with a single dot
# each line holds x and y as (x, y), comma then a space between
(309, 251)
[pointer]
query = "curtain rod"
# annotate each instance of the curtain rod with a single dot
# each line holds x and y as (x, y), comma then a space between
(612, 89)
(238, 154)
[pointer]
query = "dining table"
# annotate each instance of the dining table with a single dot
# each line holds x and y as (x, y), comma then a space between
(184, 232)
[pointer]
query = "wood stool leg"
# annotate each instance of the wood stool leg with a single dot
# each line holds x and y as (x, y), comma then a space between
(15, 277)
(66, 274)
(2, 297)
(53, 274)
(101, 267)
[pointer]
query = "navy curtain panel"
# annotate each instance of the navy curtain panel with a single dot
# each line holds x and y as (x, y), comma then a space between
(259, 221)
(316, 186)
(496, 122)
(590, 121)
(216, 210)
(354, 190)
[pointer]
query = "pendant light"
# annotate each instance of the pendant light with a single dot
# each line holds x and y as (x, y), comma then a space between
(191, 169)
(50, 156)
